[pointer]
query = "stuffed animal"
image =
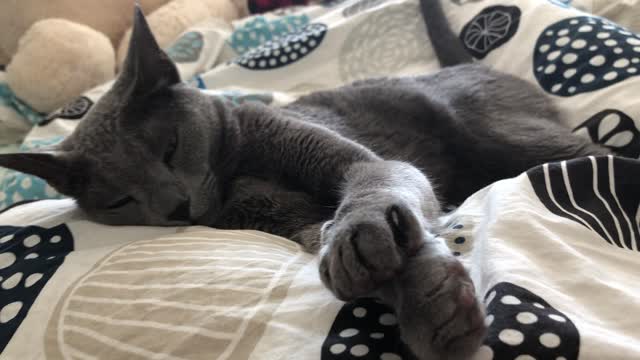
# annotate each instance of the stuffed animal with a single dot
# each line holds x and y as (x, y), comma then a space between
(57, 49)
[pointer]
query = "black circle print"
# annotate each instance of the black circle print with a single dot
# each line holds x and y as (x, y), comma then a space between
(599, 193)
(582, 54)
(364, 329)
(615, 129)
(72, 111)
(29, 256)
(491, 28)
(524, 326)
(284, 50)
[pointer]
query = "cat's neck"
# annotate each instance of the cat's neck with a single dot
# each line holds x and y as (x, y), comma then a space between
(258, 129)
(228, 140)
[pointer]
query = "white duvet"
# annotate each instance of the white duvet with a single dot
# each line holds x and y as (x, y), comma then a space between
(553, 252)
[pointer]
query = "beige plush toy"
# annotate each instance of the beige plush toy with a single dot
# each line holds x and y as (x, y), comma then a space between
(57, 49)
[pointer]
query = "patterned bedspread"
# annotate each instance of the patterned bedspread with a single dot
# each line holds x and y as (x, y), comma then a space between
(553, 252)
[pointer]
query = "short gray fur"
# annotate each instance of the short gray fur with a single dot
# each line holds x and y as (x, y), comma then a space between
(357, 174)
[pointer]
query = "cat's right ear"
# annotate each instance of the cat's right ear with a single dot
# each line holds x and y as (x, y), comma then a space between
(147, 68)
(53, 167)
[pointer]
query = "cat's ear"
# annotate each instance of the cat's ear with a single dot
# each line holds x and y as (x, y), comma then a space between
(147, 68)
(53, 167)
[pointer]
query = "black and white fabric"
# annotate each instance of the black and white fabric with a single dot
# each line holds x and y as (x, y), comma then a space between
(553, 252)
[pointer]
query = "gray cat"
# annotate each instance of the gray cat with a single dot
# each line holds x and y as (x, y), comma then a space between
(336, 171)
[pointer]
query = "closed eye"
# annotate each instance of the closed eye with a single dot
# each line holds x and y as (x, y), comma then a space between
(120, 202)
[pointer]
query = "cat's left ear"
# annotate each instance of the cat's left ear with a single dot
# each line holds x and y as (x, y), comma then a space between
(53, 167)
(147, 68)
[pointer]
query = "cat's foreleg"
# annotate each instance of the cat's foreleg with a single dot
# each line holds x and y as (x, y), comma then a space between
(380, 243)
(379, 240)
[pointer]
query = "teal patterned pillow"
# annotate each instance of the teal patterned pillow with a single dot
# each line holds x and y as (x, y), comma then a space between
(259, 30)
(16, 187)
(187, 48)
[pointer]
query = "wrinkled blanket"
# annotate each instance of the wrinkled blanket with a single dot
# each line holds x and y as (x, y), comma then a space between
(553, 252)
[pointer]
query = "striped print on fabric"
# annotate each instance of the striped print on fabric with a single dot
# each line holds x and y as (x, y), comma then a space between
(600, 193)
(198, 294)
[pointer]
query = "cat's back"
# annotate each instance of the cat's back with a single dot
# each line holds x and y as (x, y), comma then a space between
(418, 119)
(467, 87)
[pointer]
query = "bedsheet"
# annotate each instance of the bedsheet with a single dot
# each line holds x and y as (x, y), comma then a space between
(553, 252)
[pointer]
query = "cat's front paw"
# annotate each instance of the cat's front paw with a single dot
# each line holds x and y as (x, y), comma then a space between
(438, 313)
(367, 246)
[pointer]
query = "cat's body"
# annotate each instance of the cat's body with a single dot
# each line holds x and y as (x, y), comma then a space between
(336, 171)
(448, 124)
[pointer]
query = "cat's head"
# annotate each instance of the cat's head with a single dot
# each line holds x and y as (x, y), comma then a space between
(149, 152)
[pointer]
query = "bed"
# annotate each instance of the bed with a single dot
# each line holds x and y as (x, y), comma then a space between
(553, 252)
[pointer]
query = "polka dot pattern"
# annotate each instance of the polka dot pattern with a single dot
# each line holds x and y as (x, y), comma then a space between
(458, 239)
(261, 29)
(615, 129)
(187, 48)
(490, 29)
(364, 329)
(284, 50)
(584, 54)
(524, 326)
(10, 311)
(22, 274)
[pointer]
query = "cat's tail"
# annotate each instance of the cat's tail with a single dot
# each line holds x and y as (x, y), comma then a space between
(447, 46)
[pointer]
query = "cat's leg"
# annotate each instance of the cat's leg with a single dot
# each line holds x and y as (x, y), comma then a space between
(379, 243)
(383, 207)
(385, 211)
(505, 125)
(438, 313)
(431, 293)
(384, 217)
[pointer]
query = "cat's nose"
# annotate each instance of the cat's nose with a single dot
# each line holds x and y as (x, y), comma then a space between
(182, 212)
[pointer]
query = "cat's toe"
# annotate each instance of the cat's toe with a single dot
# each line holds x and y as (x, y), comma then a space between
(366, 248)
(444, 320)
